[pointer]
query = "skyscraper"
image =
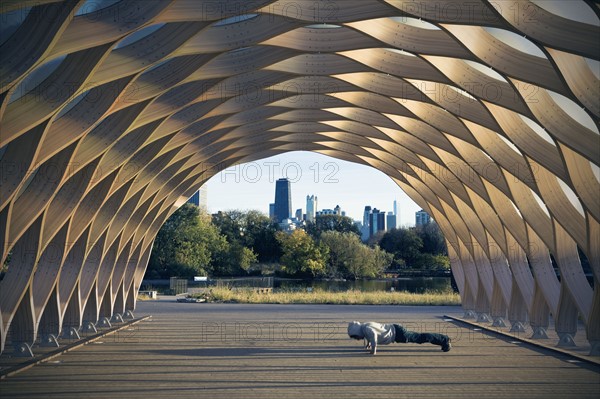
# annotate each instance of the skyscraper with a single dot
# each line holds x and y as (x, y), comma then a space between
(311, 207)
(365, 231)
(200, 198)
(194, 199)
(397, 214)
(391, 221)
(381, 221)
(366, 216)
(422, 218)
(376, 221)
(272, 211)
(283, 200)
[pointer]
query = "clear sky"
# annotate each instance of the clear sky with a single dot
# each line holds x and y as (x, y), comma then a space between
(334, 182)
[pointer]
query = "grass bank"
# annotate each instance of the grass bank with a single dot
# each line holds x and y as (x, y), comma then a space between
(352, 297)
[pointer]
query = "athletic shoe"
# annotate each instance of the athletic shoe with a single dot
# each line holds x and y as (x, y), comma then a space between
(447, 346)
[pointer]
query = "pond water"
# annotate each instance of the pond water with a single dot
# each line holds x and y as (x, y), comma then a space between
(410, 284)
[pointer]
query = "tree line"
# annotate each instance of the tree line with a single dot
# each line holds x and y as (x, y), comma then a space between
(235, 243)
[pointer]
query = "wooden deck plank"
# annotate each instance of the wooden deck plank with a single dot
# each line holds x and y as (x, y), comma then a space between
(277, 351)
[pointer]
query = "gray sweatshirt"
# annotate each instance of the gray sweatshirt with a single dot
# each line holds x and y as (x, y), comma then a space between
(373, 333)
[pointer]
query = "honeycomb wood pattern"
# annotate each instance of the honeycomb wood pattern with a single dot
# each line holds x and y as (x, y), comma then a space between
(112, 114)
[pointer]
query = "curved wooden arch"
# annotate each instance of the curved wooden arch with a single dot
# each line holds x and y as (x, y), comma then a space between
(147, 103)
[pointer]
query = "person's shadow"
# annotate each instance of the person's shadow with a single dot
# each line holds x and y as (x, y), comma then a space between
(247, 351)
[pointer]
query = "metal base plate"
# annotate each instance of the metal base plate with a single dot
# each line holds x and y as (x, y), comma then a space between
(539, 333)
(22, 349)
(49, 340)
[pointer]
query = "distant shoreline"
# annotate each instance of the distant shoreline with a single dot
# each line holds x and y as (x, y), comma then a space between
(387, 276)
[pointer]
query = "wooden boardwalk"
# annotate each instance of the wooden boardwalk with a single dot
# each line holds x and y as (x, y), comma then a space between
(298, 351)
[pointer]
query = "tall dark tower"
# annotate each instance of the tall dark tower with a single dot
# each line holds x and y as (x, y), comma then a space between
(283, 200)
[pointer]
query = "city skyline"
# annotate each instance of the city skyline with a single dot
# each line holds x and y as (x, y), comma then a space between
(335, 182)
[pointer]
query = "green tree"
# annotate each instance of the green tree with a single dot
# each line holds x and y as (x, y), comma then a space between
(432, 262)
(186, 245)
(301, 255)
(378, 261)
(368, 262)
(259, 234)
(230, 224)
(246, 258)
(344, 252)
(421, 248)
(234, 260)
(253, 230)
(350, 258)
(342, 224)
(374, 240)
(405, 244)
(433, 239)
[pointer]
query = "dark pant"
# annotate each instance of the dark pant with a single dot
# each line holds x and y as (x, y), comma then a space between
(404, 336)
